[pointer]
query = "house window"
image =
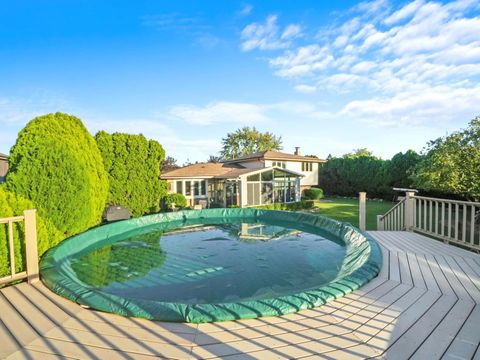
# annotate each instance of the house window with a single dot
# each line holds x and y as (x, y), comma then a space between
(188, 188)
(196, 188)
(307, 166)
(279, 164)
(203, 187)
(179, 187)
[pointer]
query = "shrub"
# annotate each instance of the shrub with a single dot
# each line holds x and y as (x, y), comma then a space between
(133, 165)
(177, 199)
(47, 234)
(56, 164)
(313, 194)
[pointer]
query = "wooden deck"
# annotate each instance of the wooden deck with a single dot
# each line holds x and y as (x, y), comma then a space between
(423, 305)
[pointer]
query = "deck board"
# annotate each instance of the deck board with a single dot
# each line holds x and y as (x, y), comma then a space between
(425, 304)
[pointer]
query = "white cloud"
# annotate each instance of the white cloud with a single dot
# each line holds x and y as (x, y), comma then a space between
(404, 12)
(305, 89)
(435, 105)
(268, 36)
(219, 112)
(246, 10)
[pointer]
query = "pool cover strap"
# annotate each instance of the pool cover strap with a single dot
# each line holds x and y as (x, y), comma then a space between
(361, 263)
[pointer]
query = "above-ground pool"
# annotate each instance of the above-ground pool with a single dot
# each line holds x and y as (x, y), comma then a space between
(212, 265)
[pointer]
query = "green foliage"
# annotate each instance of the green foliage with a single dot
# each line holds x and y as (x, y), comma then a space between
(56, 164)
(361, 171)
(451, 164)
(133, 165)
(174, 198)
(313, 193)
(348, 175)
(248, 140)
(121, 261)
(47, 234)
(300, 205)
(400, 168)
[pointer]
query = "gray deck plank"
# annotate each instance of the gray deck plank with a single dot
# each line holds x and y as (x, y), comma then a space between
(466, 341)
(411, 340)
(441, 338)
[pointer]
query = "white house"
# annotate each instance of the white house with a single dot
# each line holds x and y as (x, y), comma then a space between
(262, 178)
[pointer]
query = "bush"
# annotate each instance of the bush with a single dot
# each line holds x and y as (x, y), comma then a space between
(56, 164)
(313, 194)
(177, 199)
(300, 205)
(47, 234)
(133, 165)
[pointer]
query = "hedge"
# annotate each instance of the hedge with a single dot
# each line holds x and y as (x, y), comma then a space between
(133, 165)
(56, 164)
(47, 234)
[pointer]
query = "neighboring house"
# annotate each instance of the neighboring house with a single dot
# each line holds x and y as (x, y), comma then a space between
(257, 179)
(3, 166)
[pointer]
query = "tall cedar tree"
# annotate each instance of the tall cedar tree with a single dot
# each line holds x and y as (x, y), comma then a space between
(56, 164)
(133, 165)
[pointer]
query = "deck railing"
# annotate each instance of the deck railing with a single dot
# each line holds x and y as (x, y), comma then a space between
(452, 221)
(31, 251)
(394, 219)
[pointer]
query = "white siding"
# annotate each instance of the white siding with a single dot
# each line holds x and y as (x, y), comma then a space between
(310, 177)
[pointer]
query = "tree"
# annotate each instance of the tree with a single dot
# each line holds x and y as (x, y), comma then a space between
(214, 159)
(169, 163)
(248, 140)
(47, 234)
(451, 164)
(400, 168)
(133, 165)
(359, 153)
(350, 174)
(56, 164)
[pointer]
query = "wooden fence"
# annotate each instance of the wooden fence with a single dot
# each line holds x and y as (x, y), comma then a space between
(449, 220)
(31, 251)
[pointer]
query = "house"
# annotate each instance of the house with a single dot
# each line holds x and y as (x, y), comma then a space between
(3, 166)
(257, 179)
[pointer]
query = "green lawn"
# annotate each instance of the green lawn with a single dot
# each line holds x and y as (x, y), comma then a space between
(347, 210)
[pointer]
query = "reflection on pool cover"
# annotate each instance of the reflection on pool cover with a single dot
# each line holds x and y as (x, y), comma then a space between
(212, 265)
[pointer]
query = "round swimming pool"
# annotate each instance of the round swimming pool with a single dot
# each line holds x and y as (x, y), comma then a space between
(212, 265)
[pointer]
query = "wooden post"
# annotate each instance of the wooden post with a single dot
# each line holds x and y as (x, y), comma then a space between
(409, 210)
(362, 210)
(380, 223)
(31, 245)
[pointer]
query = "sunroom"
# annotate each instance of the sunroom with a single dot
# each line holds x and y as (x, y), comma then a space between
(217, 185)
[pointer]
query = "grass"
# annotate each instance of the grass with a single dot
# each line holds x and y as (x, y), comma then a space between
(347, 210)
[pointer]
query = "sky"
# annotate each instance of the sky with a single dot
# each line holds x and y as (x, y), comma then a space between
(327, 76)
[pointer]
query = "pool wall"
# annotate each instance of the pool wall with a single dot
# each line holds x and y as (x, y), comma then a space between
(362, 262)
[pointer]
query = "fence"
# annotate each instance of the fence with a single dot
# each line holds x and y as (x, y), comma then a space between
(31, 251)
(449, 220)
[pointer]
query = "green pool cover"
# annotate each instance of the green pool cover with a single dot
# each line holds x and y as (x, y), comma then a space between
(245, 263)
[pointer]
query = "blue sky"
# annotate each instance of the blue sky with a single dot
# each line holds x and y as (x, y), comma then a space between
(326, 76)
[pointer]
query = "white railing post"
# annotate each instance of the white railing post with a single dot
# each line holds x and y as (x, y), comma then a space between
(362, 210)
(380, 223)
(31, 249)
(409, 210)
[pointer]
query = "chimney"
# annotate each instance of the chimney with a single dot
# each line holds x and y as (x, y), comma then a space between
(297, 150)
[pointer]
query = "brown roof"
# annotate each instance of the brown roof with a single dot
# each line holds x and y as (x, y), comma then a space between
(206, 170)
(213, 170)
(273, 155)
